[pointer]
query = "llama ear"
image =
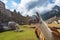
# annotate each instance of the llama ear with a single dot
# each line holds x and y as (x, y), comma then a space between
(38, 15)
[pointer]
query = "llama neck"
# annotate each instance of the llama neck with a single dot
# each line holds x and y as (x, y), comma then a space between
(45, 30)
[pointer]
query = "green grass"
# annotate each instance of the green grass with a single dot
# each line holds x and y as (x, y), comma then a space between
(27, 34)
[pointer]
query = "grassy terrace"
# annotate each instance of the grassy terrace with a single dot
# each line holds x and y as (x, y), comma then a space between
(27, 34)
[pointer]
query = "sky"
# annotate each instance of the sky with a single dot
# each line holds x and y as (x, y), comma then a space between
(29, 7)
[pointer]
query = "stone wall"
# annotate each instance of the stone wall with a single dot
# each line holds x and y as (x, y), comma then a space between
(4, 10)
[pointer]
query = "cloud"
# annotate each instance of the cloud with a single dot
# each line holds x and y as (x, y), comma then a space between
(5, 1)
(29, 4)
(14, 4)
(29, 7)
(38, 5)
(6, 7)
(57, 2)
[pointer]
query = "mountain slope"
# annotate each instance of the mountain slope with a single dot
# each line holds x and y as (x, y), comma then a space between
(54, 12)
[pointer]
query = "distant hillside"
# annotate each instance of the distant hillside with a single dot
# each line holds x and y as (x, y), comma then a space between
(54, 12)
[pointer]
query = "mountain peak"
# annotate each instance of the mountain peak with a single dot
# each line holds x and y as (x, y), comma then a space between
(56, 7)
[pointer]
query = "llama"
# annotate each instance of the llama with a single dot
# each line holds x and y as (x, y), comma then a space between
(40, 35)
(48, 33)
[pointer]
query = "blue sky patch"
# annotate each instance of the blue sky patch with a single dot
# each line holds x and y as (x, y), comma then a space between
(17, 1)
